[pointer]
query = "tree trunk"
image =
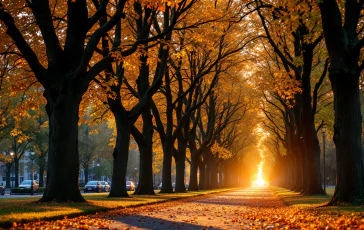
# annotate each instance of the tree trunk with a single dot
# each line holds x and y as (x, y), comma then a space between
(120, 155)
(145, 186)
(347, 138)
(8, 175)
(214, 184)
(16, 166)
(86, 171)
(167, 169)
(63, 160)
(202, 178)
(181, 165)
(193, 186)
(41, 175)
(221, 179)
(311, 144)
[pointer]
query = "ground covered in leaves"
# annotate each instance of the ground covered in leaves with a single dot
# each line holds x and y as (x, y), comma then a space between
(14, 211)
(249, 208)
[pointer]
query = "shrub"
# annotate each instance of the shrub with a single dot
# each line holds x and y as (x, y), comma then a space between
(26, 190)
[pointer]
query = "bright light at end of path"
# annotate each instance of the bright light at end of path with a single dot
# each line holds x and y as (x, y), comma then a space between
(260, 182)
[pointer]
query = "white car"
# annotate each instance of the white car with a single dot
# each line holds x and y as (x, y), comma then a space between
(28, 184)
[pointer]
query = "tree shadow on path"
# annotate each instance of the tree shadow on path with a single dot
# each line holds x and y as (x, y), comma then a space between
(149, 222)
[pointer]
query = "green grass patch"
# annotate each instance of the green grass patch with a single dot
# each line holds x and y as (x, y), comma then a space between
(315, 201)
(25, 209)
(296, 199)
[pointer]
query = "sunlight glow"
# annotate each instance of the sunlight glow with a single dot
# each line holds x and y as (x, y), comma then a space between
(260, 182)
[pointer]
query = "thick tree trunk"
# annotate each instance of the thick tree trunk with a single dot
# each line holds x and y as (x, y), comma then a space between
(120, 155)
(145, 186)
(193, 186)
(202, 177)
(180, 174)
(167, 169)
(212, 175)
(63, 160)
(181, 165)
(347, 138)
(311, 143)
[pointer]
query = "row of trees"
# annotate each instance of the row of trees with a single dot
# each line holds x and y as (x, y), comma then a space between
(168, 69)
(305, 42)
(174, 70)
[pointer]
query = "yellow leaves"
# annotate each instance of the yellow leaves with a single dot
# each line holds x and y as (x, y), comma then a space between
(19, 134)
(220, 152)
(15, 133)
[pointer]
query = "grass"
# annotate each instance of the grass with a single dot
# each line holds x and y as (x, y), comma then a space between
(295, 199)
(25, 210)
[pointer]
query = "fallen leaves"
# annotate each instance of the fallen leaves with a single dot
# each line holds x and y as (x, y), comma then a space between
(247, 209)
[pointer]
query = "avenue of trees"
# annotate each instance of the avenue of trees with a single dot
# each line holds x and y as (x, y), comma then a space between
(185, 83)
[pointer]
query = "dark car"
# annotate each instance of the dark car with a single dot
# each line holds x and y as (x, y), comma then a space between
(93, 186)
(130, 186)
(2, 189)
(28, 184)
(105, 186)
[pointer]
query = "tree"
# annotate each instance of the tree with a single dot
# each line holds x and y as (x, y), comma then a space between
(66, 77)
(344, 42)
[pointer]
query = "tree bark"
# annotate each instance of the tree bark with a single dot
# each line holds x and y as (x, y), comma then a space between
(63, 160)
(311, 143)
(202, 177)
(167, 169)
(16, 166)
(41, 175)
(193, 185)
(8, 174)
(121, 151)
(347, 138)
(145, 186)
(181, 165)
(344, 48)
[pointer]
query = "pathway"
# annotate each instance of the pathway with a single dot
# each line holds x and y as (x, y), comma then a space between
(219, 211)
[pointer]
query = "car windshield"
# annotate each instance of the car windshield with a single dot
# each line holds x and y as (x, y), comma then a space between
(26, 182)
(128, 183)
(92, 183)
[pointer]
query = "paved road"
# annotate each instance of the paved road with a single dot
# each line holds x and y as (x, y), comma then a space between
(219, 211)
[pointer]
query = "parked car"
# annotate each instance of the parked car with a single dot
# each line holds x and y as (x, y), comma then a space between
(105, 186)
(28, 184)
(2, 189)
(130, 186)
(93, 186)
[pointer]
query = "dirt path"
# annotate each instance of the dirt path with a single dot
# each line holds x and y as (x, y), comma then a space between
(219, 211)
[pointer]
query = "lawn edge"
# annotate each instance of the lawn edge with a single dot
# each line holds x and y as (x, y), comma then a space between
(276, 194)
(9, 223)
